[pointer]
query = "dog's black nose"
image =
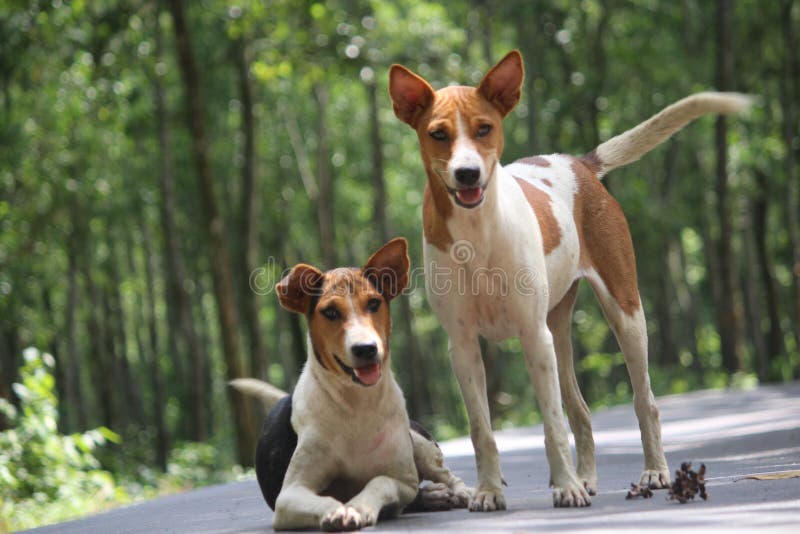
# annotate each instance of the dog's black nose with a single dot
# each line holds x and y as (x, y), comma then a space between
(364, 351)
(468, 175)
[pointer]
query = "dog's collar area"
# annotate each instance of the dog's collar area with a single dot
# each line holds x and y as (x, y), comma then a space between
(350, 371)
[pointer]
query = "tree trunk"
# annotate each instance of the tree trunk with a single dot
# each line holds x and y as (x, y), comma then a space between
(686, 299)
(666, 353)
(151, 354)
(775, 345)
(9, 349)
(220, 259)
(127, 393)
(248, 208)
(179, 301)
(98, 354)
(414, 365)
(752, 298)
(76, 416)
(528, 29)
(325, 202)
(789, 127)
(728, 320)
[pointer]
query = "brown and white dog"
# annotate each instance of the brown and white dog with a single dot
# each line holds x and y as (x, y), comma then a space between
(340, 450)
(505, 248)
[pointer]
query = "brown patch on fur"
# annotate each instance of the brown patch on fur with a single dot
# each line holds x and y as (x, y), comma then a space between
(541, 204)
(539, 161)
(606, 244)
(437, 206)
(547, 182)
(328, 336)
(436, 209)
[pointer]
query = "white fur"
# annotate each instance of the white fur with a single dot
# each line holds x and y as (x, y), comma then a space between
(464, 154)
(633, 144)
(358, 437)
(358, 331)
(504, 235)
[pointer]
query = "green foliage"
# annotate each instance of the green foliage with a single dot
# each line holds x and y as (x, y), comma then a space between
(82, 230)
(46, 476)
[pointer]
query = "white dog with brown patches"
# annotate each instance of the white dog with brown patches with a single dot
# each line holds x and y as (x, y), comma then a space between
(542, 224)
(340, 451)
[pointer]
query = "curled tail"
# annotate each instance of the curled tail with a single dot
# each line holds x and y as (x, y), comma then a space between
(265, 392)
(633, 144)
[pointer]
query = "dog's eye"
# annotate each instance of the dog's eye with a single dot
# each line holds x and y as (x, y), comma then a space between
(331, 313)
(484, 129)
(439, 135)
(373, 305)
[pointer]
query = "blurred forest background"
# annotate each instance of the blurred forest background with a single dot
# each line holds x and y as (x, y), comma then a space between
(161, 163)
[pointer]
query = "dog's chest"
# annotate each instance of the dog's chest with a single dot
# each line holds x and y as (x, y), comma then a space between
(475, 290)
(376, 450)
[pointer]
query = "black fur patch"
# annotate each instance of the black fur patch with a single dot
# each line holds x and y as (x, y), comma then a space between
(419, 429)
(275, 449)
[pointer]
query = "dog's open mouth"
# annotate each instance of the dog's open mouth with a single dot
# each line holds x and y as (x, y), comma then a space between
(369, 374)
(469, 198)
(365, 375)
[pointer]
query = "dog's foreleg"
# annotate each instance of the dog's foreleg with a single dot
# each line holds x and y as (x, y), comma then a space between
(540, 358)
(384, 496)
(465, 355)
(299, 507)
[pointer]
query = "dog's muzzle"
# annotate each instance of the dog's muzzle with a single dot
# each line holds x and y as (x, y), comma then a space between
(366, 374)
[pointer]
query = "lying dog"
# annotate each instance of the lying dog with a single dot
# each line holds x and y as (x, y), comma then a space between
(340, 451)
(539, 225)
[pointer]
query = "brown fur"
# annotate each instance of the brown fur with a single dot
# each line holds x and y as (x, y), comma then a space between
(539, 161)
(606, 244)
(348, 291)
(541, 204)
(327, 337)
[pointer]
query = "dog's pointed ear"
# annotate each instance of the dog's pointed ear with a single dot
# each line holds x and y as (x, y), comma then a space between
(297, 288)
(410, 94)
(387, 269)
(502, 85)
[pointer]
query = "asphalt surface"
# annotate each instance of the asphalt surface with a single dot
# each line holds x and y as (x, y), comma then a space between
(735, 433)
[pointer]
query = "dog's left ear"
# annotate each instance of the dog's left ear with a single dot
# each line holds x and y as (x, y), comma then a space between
(388, 268)
(297, 289)
(502, 85)
(410, 94)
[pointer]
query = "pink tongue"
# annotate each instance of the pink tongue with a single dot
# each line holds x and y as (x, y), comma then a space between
(369, 374)
(469, 196)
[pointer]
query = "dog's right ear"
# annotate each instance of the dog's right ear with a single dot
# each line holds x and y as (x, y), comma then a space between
(298, 287)
(410, 94)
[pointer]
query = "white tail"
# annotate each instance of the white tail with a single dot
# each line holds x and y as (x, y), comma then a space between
(265, 392)
(633, 144)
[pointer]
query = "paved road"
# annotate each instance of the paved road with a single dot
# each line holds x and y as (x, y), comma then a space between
(736, 434)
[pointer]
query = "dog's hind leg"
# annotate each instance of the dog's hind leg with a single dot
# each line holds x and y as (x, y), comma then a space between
(447, 490)
(559, 320)
(630, 329)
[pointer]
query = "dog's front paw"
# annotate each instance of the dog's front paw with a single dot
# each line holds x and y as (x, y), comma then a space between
(487, 500)
(435, 496)
(590, 483)
(462, 494)
(343, 518)
(571, 494)
(654, 479)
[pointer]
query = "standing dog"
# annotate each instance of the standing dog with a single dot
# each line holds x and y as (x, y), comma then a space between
(505, 248)
(340, 451)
